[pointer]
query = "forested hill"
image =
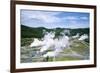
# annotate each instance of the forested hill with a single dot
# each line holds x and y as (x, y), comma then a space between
(31, 32)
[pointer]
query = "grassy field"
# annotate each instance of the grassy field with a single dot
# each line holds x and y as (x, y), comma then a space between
(78, 50)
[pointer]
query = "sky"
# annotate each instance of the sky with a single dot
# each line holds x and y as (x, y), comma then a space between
(54, 19)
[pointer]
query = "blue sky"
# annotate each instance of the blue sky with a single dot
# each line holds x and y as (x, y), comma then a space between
(54, 19)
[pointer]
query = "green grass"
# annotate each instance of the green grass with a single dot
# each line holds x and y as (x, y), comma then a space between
(66, 59)
(81, 48)
(26, 41)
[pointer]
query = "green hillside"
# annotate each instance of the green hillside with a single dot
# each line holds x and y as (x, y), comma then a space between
(30, 32)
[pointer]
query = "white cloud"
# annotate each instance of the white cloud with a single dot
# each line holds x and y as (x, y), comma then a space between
(84, 18)
(76, 18)
(46, 17)
(71, 18)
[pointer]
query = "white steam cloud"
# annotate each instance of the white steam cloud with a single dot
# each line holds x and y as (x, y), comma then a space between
(83, 37)
(49, 42)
